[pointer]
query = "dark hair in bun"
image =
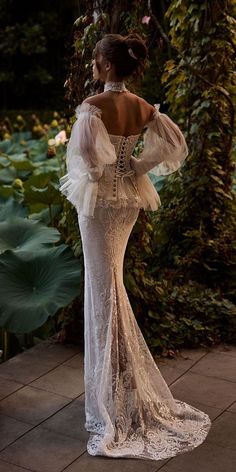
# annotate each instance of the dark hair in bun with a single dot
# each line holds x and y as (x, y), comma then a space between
(127, 53)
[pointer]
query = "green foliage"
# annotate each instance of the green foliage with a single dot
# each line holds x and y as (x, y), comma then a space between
(34, 285)
(173, 313)
(194, 316)
(193, 243)
(20, 234)
(196, 223)
(37, 279)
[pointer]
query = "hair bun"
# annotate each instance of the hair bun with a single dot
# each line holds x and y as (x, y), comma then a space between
(127, 53)
(137, 46)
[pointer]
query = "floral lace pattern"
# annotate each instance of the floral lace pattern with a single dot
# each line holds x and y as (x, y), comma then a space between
(130, 411)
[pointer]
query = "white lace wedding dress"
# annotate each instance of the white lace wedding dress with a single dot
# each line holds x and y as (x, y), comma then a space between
(130, 411)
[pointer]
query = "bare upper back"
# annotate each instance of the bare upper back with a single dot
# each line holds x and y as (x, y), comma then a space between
(123, 113)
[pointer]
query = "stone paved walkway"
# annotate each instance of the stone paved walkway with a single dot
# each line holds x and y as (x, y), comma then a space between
(42, 412)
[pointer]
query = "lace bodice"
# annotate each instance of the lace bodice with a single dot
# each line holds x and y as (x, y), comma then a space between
(118, 179)
(124, 146)
(103, 171)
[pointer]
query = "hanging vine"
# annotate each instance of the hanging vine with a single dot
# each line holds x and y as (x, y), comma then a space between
(199, 203)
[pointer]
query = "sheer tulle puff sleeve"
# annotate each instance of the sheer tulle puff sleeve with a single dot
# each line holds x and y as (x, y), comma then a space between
(88, 151)
(164, 149)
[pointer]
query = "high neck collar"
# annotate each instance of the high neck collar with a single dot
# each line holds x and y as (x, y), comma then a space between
(115, 86)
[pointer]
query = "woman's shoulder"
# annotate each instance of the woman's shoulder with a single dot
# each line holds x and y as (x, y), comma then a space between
(92, 100)
(150, 109)
(102, 99)
(145, 107)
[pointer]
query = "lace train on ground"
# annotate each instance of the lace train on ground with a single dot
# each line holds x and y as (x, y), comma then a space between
(130, 411)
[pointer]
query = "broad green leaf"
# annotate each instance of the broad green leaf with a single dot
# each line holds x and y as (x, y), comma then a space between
(11, 208)
(6, 191)
(44, 215)
(5, 145)
(7, 175)
(47, 195)
(33, 286)
(21, 162)
(40, 180)
(19, 234)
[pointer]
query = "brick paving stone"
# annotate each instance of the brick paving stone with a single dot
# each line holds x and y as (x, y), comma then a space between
(6, 467)
(201, 377)
(8, 386)
(210, 391)
(170, 373)
(70, 421)
(32, 405)
(211, 411)
(232, 407)
(205, 458)
(26, 369)
(54, 350)
(107, 464)
(63, 380)
(43, 451)
(185, 359)
(217, 365)
(173, 369)
(77, 361)
(163, 469)
(11, 429)
(229, 349)
(223, 430)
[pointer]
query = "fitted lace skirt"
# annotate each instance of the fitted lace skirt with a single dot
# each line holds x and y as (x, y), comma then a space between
(130, 411)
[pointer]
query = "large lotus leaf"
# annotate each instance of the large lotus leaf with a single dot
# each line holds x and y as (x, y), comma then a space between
(11, 208)
(6, 191)
(21, 141)
(21, 162)
(4, 161)
(33, 289)
(24, 174)
(48, 195)
(40, 180)
(45, 216)
(38, 150)
(12, 147)
(5, 145)
(20, 234)
(50, 165)
(38, 156)
(37, 144)
(46, 169)
(21, 136)
(7, 175)
(36, 207)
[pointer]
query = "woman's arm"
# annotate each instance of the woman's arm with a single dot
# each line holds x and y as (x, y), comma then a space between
(165, 147)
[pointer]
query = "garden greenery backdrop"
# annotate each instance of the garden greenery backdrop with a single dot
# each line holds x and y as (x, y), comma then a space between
(180, 261)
